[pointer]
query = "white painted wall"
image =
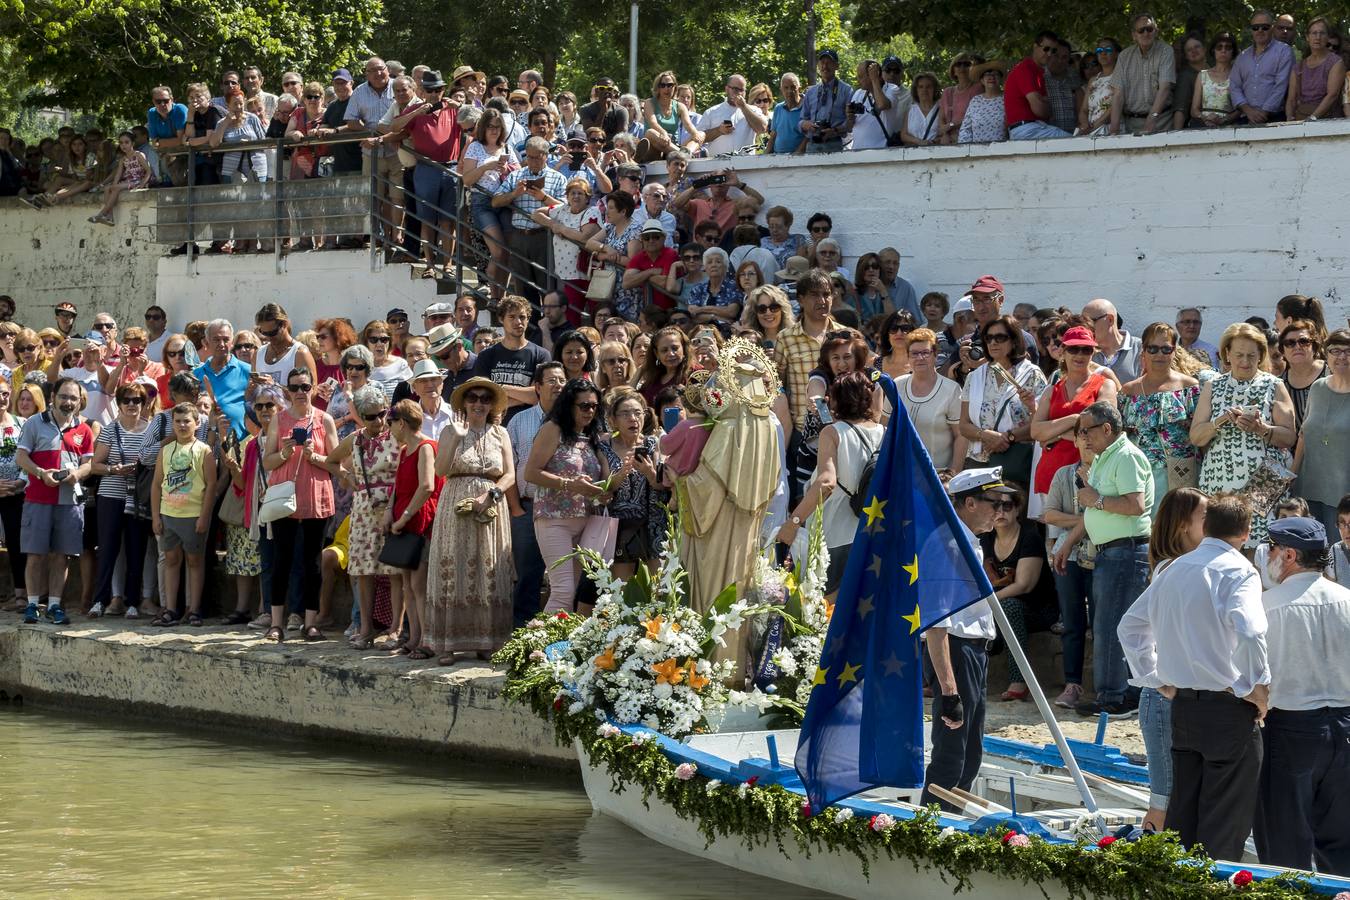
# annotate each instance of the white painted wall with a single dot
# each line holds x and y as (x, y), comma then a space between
(1229, 221)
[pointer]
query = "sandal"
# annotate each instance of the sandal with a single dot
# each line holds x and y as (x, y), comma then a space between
(194, 619)
(447, 660)
(420, 653)
(312, 633)
(361, 643)
(275, 634)
(166, 619)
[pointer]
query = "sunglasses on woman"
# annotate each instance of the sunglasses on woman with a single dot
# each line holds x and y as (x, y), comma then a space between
(375, 416)
(378, 339)
(300, 388)
(478, 398)
(764, 308)
(356, 367)
(587, 405)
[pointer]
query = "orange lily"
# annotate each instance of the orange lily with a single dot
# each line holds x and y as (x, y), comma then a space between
(667, 672)
(696, 681)
(605, 660)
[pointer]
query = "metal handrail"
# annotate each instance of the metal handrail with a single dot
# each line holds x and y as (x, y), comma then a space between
(269, 144)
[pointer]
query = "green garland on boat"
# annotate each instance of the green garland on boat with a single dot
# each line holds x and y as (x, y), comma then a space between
(1155, 866)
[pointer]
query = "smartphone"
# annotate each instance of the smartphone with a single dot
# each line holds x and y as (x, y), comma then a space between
(766, 345)
(670, 417)
(77, 344)
(533, 183)
(823, 410)
(726, 121)
(330, 383)
(61, 475)
(485, 318)
(299, 434)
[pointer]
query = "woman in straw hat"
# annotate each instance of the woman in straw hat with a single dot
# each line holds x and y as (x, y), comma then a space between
(468, 608)
(985, 119)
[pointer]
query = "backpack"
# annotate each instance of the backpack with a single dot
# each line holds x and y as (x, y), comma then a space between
(857, 498)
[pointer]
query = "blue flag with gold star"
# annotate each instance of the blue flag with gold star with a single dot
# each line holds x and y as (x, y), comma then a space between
(910, 566)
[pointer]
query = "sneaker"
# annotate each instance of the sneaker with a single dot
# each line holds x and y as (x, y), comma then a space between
(351, 632)
(1088, 708)
(294, 623)
(1071, 695)
(1119, 709)
(133, 612)
(30, 615)
(95, 611)
(261, 623)
(57, 615)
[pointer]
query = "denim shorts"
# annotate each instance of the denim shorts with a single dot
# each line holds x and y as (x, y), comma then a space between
(485, 215)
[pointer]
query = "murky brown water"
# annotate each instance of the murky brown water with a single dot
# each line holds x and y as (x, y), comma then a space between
(92, 808)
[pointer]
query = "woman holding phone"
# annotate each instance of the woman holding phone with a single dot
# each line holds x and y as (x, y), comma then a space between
(120, 531)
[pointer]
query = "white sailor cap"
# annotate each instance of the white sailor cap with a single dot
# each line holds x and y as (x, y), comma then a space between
(990, 480)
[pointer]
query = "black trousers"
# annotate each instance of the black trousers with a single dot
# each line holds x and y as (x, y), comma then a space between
(412, 226)
(118, 530)
(1216, 766)
(1303, 806)
(298, 543)
(532, 247)
(958, 752)
(11, 515)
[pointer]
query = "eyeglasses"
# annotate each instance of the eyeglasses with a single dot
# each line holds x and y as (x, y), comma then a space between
(259, 407)
(154, 317)
(745, 217)
(50, 343)
(1163, 349)
(240, 348)
(919, 354)
(64, 314)
(1338, 352)
(30, 348)
(763, 308)
(692, 257)
(378, 339)
(1003, 505)
(587, 405)
(130, 401)
(1188, 322)
(314, 96)
(375, 416)
(1106, 49)
(477, 398)
(839, 335)
(270, 334)
(1286, 343)
(1260, 27)
(998, 337)
(666, 85)
(300, 388)
(172, 353)
(104, 326)
(1079, 351)
(356, 367)
(902, 327)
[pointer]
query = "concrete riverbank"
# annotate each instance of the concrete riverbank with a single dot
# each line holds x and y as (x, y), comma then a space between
(231, 679)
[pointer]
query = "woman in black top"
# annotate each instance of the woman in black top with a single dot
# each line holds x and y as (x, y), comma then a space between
(1014, 557)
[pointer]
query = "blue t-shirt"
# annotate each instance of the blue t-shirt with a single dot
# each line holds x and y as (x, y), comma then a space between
(228, 387)
(160, 127)
(787, 133)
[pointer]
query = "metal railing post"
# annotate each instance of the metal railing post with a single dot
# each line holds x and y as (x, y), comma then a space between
(190, 245)
(374, 209)
(278, 207)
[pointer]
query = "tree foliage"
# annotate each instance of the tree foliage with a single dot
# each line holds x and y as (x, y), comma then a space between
(104, 56)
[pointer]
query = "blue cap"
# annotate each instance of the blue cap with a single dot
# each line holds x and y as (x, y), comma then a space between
(343, 74)
(1298, 533)
(830, 53)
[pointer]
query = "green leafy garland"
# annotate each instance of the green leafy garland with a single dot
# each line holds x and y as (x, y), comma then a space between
(1155, 866)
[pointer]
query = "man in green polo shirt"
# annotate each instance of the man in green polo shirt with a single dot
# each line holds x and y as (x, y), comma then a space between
(1116, 503)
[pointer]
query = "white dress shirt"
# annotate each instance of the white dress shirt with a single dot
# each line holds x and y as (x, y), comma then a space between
(1200, 624)
(1307, 638)
(742, 135)
(976, 620)
(434, 423)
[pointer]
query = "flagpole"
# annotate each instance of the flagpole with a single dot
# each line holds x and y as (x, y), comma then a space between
(1020, 655)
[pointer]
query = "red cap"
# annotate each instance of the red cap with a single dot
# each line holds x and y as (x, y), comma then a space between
(1078, 336)
(987, 284)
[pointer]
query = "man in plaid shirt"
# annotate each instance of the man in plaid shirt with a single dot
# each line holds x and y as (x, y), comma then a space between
(525, 190)
(798, 350)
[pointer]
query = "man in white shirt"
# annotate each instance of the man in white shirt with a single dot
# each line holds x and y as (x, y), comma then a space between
(1189, 323)
(526, 600)
(733, 123)
(956, 646)
(426, 381)
(877, 110)
(1304, 798)
(1198, 635)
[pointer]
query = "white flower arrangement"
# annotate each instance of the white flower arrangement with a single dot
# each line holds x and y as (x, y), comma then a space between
(641, 657)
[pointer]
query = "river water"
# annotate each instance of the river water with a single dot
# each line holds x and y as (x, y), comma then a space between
(94, 808)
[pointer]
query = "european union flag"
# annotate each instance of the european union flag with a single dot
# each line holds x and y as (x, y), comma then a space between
(910, 566)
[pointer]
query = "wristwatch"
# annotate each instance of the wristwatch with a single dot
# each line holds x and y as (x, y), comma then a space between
(1100, 504)
(796, 520)
(495, 493)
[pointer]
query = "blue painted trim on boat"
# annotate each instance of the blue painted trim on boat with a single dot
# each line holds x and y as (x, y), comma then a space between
(1099, 759)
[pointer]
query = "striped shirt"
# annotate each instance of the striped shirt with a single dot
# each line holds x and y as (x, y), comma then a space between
(123, 447)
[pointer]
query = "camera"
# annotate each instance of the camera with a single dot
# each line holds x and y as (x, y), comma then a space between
(856, 109)
(577, 159)
(437, 106)
(708, 180)
(975, 348)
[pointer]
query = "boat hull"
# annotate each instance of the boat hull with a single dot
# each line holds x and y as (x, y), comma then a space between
(825, 870)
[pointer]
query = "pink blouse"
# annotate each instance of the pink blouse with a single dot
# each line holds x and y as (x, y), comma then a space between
(313, 485)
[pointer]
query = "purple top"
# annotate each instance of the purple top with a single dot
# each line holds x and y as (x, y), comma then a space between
(1312, 81)
(1262, 81)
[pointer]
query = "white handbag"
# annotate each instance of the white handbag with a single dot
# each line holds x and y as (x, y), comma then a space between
(277, 503)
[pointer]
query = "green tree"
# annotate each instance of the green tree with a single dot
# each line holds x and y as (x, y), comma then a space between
(104, 56)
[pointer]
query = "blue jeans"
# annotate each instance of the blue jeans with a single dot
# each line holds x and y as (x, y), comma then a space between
(1074, 588)
(834, 146)
(1155, 722)
(1119, 578)
(436, 187)
(1035, 131)
(525, 599)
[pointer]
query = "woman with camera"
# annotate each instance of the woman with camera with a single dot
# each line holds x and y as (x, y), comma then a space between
(999, 401)
(639, 498)
(484, 163)
(297, 441)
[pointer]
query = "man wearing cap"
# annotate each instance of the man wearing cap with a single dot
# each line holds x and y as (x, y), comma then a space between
(957, 648)
(1198, 635)
(604, 110)
(365, 108)
(531, 187)
(398, 321)
(1303, 804)
(1118, 350)
(579, 162)
(468, 78)
(1024, 96)
(434, 129)
(1116, 502)
(65, 317)
(437, 314)
(825, 107)
(733, 123)
(986, 299)
(428, 383)
(511, 361)
(650, 267)
(447, 346)
(870, 109)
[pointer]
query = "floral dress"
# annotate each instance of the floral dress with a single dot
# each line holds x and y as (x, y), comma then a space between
(1234, 455)
(727, 294)
(1160, 425)
(470, 571)
(628, 301)
(243, 555)
(374, 462)
(640, 509)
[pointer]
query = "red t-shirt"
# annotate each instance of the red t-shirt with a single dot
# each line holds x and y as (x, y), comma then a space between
(437, 136)
(663, 261)
(1025, 78)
